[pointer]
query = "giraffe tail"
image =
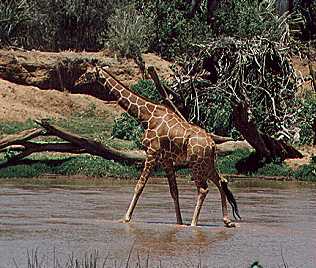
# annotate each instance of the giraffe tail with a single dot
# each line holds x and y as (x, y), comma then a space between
(231, 199)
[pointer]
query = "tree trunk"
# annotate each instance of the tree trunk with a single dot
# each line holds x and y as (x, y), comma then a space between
(267, 148)
(21, 144)
(71, 143)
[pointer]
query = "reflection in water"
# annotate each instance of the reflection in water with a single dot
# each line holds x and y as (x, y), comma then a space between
(173, 240)
(80, 221)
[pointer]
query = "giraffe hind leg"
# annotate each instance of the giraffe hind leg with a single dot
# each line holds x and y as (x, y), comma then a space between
(225, 194)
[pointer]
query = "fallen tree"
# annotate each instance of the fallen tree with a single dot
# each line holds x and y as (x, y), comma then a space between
(250, 82)
(22, 144)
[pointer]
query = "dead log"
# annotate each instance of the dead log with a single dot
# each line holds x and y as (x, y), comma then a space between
(20, 137)
(74, 144)
(22, 144)
(266, 147)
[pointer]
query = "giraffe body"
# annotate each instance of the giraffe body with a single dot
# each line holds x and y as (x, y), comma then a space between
(168, 140)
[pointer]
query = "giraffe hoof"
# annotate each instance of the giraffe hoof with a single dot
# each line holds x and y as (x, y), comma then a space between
(231, 224)
(124, 220)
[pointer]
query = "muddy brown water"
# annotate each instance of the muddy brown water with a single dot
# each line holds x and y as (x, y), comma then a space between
(278, 226)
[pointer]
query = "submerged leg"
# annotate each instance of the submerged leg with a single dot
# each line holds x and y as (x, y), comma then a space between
(169, 169)
(148, 167)
(202, 189)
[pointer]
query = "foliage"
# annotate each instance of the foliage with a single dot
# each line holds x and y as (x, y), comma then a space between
(129, 31)
(274, 169)
(147, 89)
(174, 30)
(25, 171)
(81, 165)
(96, 167)
(14, 127)
(256, 72)
(226, 164)
(127, 127)
(249, 18)
(307, 116)
(217, 116)
(306, 172)
(14, 14)
(58, 25)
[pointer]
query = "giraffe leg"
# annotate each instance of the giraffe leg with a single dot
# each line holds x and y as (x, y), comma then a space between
(226, 220)
(202, 189)
(148, 167)
(169, 169)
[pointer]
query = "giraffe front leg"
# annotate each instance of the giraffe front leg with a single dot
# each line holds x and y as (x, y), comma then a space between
(148, 167)
(202, 188)
(173, 187)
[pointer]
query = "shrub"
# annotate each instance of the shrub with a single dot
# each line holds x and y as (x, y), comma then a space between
(129, 31)
(25, 171)
(70, 24)
(147, 89)
(14, 14)
(307, 116)
(174, 30)
(127, 127)
(306, 172)
(275, 169)
(227, 164)
(248, 18)
(95, 166)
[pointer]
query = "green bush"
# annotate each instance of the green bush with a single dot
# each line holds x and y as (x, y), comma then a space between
(95, 166)
(14, 14)
(70, 24)
(227, 164)
(307, 115)
(147, 89)
(274, 169)
(306, 172)
(130, 32)
(25, 171)
(248, 18)
(174, 30)
(127, 127)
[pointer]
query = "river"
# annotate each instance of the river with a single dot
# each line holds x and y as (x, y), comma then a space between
(278, 226)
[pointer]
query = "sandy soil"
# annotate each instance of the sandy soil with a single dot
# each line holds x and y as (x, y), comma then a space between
(19, 102)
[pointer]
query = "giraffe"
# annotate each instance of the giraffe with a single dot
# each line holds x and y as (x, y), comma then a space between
(168, 140)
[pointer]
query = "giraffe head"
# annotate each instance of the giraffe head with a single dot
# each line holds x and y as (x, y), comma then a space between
(91, 75)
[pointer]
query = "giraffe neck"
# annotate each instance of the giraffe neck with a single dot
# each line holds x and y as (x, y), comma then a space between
(131, 102)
